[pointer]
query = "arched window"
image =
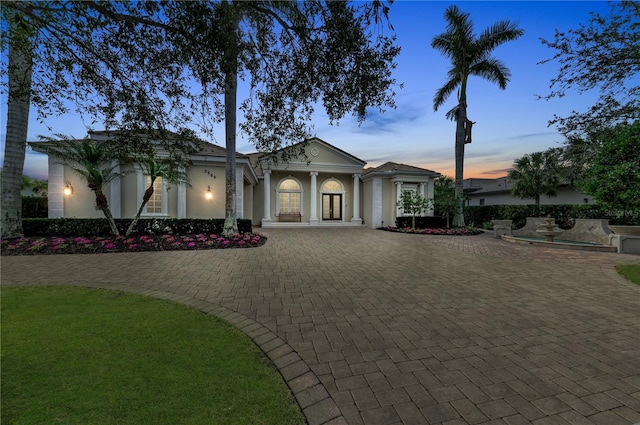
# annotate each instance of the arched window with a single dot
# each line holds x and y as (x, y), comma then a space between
(289, 196)
(332, 186)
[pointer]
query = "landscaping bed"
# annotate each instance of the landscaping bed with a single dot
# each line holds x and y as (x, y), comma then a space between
(105, 244)
(464, 231)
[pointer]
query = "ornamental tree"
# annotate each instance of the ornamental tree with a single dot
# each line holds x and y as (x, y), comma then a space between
(534, 175)
(413, 203)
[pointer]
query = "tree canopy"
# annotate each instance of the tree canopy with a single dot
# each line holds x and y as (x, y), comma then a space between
(534, 175)
(602, 55)
(613, 175)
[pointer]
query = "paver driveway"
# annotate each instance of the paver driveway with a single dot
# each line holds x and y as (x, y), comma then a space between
(371, 327)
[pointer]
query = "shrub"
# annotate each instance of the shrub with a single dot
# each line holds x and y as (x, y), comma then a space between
(421, 222)
(146, 226)
(35, 207)
(564, 214)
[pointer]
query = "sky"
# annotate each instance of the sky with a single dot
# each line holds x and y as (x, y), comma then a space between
(509, 123)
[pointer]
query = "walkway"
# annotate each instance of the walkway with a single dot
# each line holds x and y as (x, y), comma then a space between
(370, 327)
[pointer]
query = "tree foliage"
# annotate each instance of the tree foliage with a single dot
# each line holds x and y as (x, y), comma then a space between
(413, 203)
(470, 55)
(92, 161)
(602, 55)
(613, 176)
(444, 197)
(534, 175)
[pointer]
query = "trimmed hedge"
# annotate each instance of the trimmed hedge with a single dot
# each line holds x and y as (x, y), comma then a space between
(422, 222)
(564, 214)
(146, 226)
(35, 207)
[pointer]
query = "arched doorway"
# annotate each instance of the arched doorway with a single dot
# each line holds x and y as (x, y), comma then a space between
(332, 192)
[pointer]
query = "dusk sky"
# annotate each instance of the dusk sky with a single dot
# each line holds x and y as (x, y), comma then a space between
(509, 123)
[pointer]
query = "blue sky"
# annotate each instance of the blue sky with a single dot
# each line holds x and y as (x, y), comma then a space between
(509, 123)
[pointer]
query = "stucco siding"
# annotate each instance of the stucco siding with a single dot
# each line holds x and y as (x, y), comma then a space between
(197, 204)
(566, 196)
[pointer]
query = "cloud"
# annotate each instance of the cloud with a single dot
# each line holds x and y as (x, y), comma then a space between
(501, 171)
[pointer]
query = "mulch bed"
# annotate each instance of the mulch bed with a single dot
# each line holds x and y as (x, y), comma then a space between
(137, 243)
(457, 231)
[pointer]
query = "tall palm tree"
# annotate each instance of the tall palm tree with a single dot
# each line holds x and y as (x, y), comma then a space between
(535, 174)
(469, 55)
(155, 168)
(94, 161)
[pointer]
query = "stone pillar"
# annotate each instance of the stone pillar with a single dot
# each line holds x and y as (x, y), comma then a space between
(266, 217)
(430, 197)
(376, 203)
(182, 200)
(356, 200)
(313, 199)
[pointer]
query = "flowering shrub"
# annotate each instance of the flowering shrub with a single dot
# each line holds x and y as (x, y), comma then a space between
(80, 244)
(463, 231)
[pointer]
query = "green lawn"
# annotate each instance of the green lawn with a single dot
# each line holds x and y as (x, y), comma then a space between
(85, 356)
(630, 271)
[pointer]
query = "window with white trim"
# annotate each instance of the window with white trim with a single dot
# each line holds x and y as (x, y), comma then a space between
(154, 205)
(289, 199)
(158, 203)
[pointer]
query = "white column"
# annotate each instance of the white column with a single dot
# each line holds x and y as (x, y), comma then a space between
(266, 217)
(376, 203)
(430, 192)
(182, 200)
(115, 200)
(356, 200)
(398, 199)
(313, 199)
(239, 193)
(421, 192)
(56, 185)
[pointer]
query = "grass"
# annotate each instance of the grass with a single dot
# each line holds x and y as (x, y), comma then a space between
(630, 271)
(85, 356)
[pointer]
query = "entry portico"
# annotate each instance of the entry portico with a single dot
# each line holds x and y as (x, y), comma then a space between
(318, 188)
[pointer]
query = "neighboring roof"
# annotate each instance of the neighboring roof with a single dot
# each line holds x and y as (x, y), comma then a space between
(393, 168)
(479, 186)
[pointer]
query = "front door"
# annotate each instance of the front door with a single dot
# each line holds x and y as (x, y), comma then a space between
(331, 207)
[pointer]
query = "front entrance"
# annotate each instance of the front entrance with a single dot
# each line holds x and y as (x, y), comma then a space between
(331, 207)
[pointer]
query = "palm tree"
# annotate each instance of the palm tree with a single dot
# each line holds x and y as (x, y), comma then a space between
(469, 55)
(92, 160)
(155, 168)
(535, 174)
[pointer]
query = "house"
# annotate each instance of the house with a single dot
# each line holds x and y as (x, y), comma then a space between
(325, 186)
(498, 192)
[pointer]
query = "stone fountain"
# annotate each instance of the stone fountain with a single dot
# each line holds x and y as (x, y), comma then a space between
(549, 230)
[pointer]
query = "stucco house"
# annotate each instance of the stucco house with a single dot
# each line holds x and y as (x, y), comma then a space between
(498, 192)
(325, 187)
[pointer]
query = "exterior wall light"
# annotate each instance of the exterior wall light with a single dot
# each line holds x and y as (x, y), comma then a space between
(209, 194)
(68, 189)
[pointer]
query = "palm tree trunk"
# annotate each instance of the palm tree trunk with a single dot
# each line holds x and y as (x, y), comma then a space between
(145, 199)
(458, 217)
(19, 76)
(230, 111)
(103, 205)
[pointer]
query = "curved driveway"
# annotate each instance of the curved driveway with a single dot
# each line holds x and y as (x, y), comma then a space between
(371, 327)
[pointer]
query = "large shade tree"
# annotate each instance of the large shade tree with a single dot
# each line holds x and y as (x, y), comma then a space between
(294, 55)
(470, 55)
(602, 55)
(106, 61)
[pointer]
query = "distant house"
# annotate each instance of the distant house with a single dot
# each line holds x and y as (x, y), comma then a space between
(498, 192)
(327, 187)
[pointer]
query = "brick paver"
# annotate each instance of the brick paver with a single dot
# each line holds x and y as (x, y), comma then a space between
(371, 327)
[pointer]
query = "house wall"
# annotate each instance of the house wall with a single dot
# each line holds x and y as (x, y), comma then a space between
(201, 177)
(248, 201)
(388, 203)
(566, 196)
(82, 204)
(128, 189)
(258, 203)
(326, 155)
(366, 210)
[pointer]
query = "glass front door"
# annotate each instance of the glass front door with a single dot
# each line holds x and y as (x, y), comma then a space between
(331, 207)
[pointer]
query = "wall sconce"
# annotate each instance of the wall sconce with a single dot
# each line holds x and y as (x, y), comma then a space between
(209, 194)
(68, 189)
